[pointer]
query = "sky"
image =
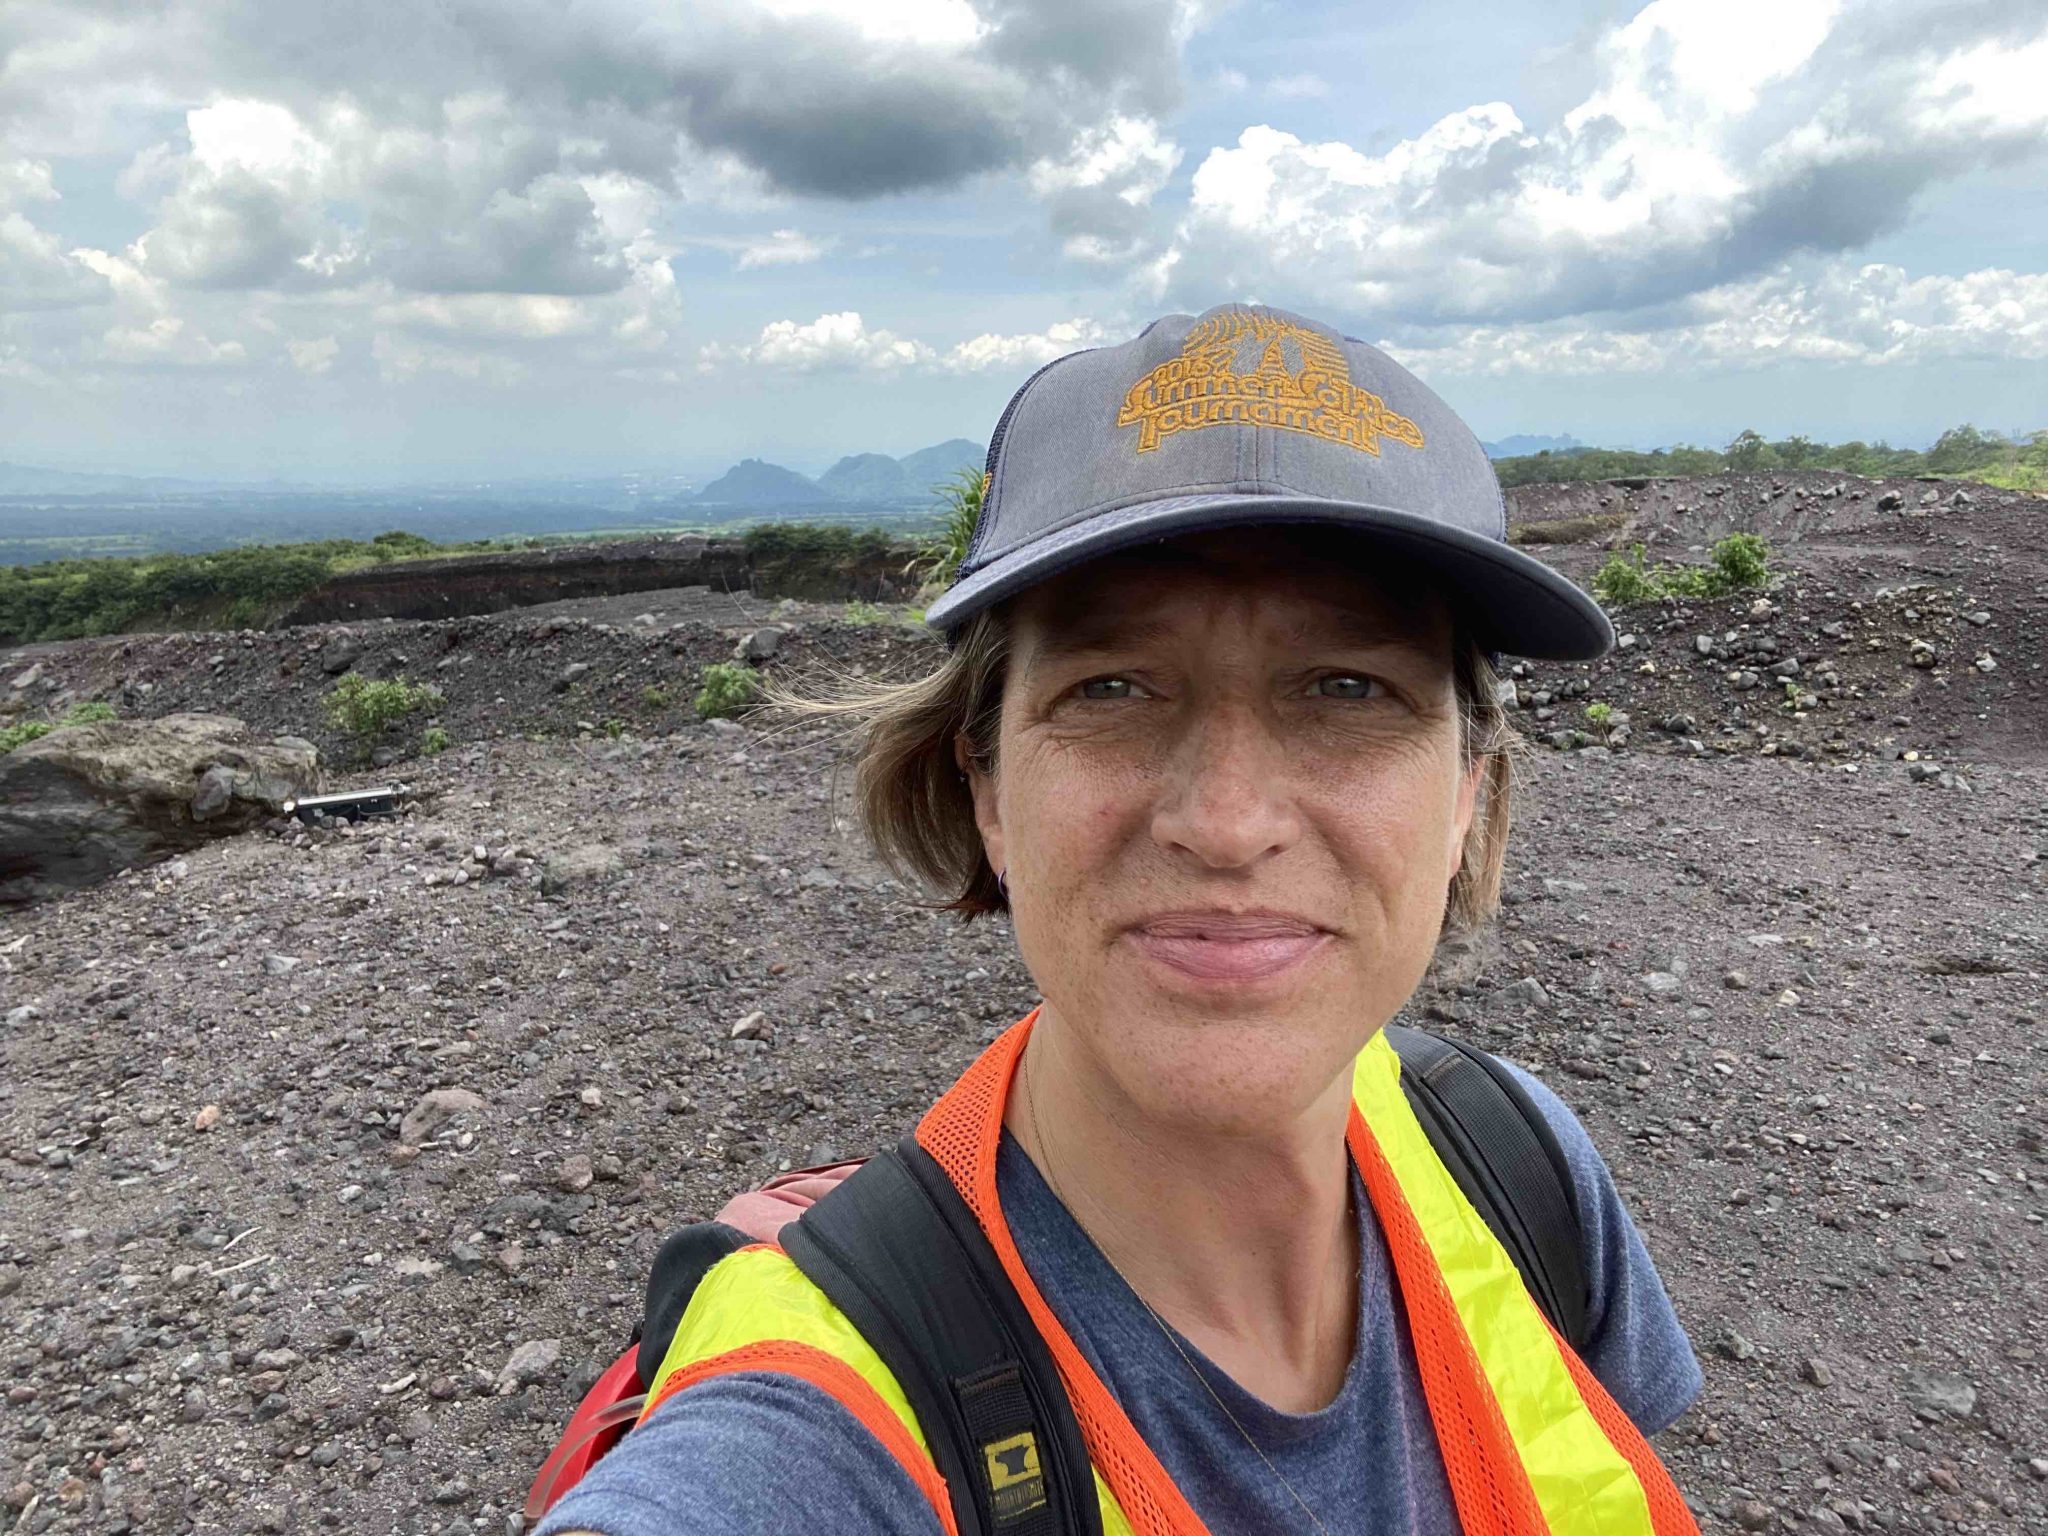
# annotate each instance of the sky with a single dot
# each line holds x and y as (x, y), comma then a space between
(498, 238)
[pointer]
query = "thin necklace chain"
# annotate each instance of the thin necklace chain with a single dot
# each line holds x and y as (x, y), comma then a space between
(1031, 1108)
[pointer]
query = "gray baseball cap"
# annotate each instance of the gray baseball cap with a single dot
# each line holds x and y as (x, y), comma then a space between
(1246, 415)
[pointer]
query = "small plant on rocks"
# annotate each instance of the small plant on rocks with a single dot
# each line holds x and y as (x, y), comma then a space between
(859, 612)
(657, 696)
(26, 731)
(365, 708)
(1738, 562)
(1599, 713)
(433, 741)
(729, 688)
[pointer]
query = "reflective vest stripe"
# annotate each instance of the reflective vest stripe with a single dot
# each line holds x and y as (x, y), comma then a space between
(1669, 1515)
(754, 1310)
(1492, 1495)
(843, 1383)
(1583, 1466)
(962, 1132)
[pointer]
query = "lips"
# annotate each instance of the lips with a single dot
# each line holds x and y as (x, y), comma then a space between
(1228, 946)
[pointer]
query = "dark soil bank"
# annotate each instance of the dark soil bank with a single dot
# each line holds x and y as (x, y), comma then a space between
(1791, 977)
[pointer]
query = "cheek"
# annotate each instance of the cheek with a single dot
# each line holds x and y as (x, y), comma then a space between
(1063, 815)
(1393, 829)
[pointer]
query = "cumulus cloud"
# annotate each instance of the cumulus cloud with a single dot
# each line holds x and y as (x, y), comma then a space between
(780, 248)
(36, 272)
(314, 356)
(830, 341)
(1860, 315)
(1097, 194)
(1698, 158)
(843, 341)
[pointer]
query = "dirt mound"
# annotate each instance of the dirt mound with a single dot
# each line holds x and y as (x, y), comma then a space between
(334, 1160)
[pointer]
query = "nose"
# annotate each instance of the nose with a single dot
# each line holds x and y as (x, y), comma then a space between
(1227, 795)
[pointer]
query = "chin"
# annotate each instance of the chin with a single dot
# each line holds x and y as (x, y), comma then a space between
(1241, 1071)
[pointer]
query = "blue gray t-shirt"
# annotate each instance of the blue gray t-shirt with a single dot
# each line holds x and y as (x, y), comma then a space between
(763, 1455)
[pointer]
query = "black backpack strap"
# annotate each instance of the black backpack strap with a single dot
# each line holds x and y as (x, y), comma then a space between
(900, 1253)
(1507, 1160)
(685, 1258)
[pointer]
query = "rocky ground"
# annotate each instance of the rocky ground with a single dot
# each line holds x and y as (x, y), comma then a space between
(1786, 958)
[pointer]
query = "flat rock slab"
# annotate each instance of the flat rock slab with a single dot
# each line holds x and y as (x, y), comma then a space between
(83, 802)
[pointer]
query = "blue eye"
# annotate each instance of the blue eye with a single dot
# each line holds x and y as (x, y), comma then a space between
(1358, 679)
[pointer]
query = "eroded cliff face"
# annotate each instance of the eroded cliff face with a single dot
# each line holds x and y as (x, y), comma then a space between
(461, 586)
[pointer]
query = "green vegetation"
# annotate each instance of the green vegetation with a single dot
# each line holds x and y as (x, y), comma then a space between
(365, 708)
(730, 688)
(433, 741)
(22, 732)
(657, 696)
(960, 498)
(234, 588)
(613, 727)
(858, 612)
(1738, 562)
(1962, 452)
(820, 560)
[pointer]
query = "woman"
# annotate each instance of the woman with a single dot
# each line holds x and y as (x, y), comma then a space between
(1219, 730)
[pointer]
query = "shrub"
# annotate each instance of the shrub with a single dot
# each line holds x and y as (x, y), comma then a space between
(1738, 562)
(1741, 560)
(1620, 582)
(960, 498)
(433, 741)
(730, 688)
(23, 732)
(657, 696)
(12, 736)
(365, 708)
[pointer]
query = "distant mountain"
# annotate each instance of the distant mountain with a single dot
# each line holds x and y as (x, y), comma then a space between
(27, 480)
(754, 482)
(865, 477)
(859, 477)
(1521, 445)
(934, 466)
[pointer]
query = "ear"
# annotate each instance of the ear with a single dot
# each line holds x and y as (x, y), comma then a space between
(987, 813)
(1461, 818)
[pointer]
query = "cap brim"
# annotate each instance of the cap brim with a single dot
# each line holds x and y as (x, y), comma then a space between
(1514, 602)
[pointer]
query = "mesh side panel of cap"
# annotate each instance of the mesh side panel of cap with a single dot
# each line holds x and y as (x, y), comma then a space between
(1488, 1484)
(961, 1132)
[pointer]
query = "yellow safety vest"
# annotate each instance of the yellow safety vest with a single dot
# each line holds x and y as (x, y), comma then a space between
(1532, 1443)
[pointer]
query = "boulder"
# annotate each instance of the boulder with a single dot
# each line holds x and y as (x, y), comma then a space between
(88, 800)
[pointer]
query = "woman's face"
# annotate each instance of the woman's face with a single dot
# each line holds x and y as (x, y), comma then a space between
(1230, 801)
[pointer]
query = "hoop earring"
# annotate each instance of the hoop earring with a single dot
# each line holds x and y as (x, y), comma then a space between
(1003, 883)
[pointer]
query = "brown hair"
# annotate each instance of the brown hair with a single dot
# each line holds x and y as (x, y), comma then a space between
(918, 811)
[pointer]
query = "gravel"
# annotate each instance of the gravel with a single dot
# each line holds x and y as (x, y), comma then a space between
(335, 1243)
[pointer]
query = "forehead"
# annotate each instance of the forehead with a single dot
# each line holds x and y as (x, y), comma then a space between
(1312, 580)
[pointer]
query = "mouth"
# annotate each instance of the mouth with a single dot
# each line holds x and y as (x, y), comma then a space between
(1228, 946)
